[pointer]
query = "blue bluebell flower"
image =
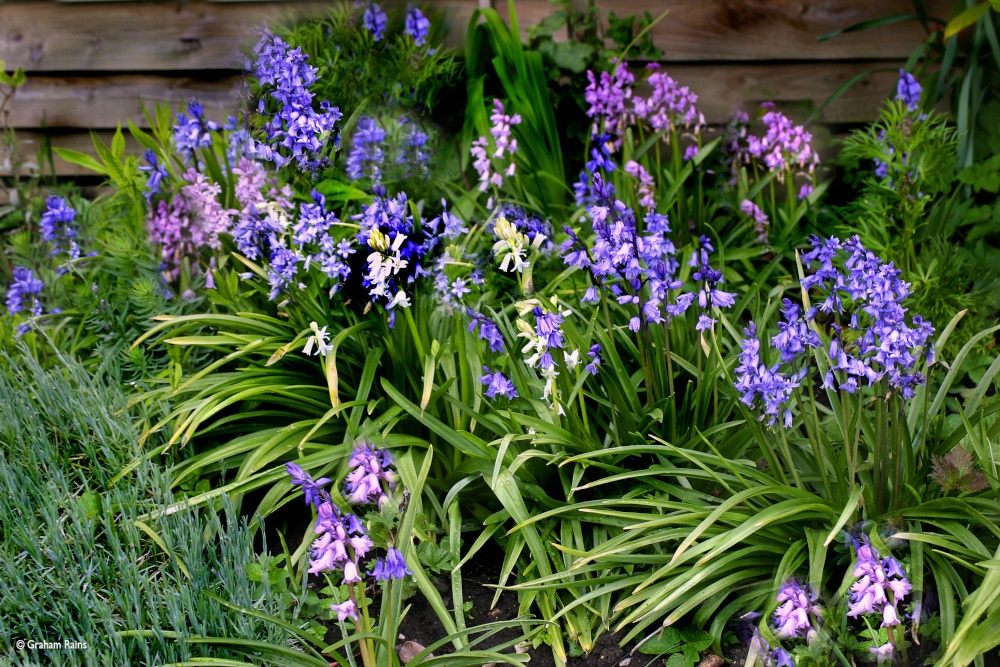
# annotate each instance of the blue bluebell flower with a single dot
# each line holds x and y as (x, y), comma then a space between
(191, 133)
(375, 20)
(908, 90)
(393, 566)
(497, 384)
(56, 227)
(157, 172)
(23, 292)
(365, 158)
(416, 25)
(296, 132)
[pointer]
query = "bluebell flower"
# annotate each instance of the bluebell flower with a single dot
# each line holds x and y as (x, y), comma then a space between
(393, 566)
(313, 489)
(413, 154)
(375, 20)
(282, 269)
(498, 384)
(595, 359)
(797, 605)
(191, 133)
(908, 90)
(371, 477)
(314, 221)
(296, 132)
(880, 584)
(56, 227)
(23, 294)
(453, 225)
(488, 330)
(794, 335)
(157, 172)
(416, 26)
(762, 388)
(365, 158)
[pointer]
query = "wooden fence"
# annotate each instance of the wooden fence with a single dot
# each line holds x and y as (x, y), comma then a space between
(90, 63)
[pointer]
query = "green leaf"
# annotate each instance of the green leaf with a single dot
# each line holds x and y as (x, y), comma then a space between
(667, 641)
(965, 19)
(81, 159)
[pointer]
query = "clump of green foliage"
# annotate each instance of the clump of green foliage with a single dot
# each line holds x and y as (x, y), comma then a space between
(79, 558)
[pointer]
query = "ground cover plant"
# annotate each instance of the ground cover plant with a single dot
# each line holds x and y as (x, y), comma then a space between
(695, 404)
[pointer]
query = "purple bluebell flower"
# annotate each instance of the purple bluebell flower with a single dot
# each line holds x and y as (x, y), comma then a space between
(794, 335)
(709, 295)
(313, 489)
(157, 172)
(23, 295)
(883, 653)
(345, 610)
(500, 149)
(365, 158)
(781, 658)
(762, 388)
(413, 152)
(595, 359)
(194, 132)
(393, 566)
(908, 90)
(296, 132)
(56, 227)
(498, 384)
(416, 26)
(488, 330)
(453, 225)
(646, 194)
(797, 605)
(783, 146)
(374, 20)
(282, 269)
(371, 478)
(876, 579)
(341, 540)
(608, 95)
(669, 105)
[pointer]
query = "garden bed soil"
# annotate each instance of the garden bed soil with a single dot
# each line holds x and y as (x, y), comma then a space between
(422, 625)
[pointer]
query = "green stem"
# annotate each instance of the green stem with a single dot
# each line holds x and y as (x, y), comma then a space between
(362, 627)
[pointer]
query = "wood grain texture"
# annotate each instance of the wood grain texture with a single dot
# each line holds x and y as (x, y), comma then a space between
(155, 36)
(104, 102)
(795, 87)
(718, 30)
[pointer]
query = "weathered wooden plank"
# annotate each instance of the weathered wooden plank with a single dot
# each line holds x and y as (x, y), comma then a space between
(720, 87)
(101, 103)
(155, 36)
(104, 102)
(699, 30)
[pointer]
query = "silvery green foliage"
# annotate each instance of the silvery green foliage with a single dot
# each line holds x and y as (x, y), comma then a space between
(74, 566)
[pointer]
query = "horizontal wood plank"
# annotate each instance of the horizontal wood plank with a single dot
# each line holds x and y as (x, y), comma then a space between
(719, 30)
(155, 36)
(104, 102)
(793, 87)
